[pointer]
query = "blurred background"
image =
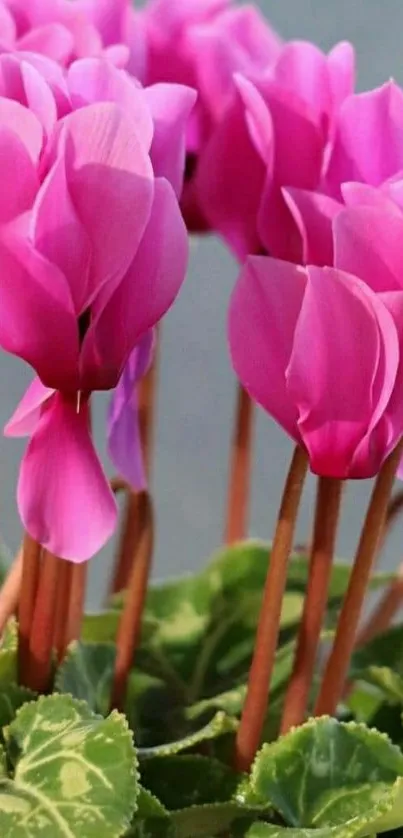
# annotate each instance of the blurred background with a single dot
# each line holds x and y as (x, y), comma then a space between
(197, 388)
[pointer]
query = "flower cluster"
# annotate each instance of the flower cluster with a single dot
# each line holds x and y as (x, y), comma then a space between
(119, 129)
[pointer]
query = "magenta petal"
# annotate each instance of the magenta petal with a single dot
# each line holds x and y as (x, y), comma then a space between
(170, 106)
(368, 243)
(230, 191)
(24, 124)
(124, 441)
(26, 417)
(37, 320)
(110, 181)
(263, 313)
(368, 145)
(144, 295)
(341, 68)
(64, 498)
(94, 80)
(302, 69)
(313, 214)
(18, 174)
(297, 164)
(53, 40)
(371, 196)
(19, 80)
(338, 392)
(59, 235)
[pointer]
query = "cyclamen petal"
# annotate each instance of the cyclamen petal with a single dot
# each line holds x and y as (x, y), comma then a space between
(368, 243)
(170, 106)
(335, 385)
(263, 314)
(124, 440)
(64, 498)
(25, 418)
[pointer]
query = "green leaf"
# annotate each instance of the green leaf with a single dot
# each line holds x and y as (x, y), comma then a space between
(185, 780)
(11, 699)
(384, 650)
(151, 820)
(74, 772)
(331, 775)
(8, 654)
(199, 791)
(87, 673)
(100, 628)
(220, 725)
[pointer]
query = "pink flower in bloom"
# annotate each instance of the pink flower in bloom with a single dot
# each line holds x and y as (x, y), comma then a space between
(93, 251)
(274, 134)
(321, 348)
(202, 43)
(68, 29)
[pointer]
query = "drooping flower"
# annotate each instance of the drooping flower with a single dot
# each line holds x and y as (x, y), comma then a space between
(202, 43)
(65, 30)
(93, 251)
(274, 134)
(321, 348)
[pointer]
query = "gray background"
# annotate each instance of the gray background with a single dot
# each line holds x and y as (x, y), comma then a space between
(197, 389)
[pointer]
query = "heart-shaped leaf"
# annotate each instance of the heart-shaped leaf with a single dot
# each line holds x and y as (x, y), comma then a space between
(328, 775)
(12, 698)
(151, 820)
(87, 673)
(220, 725)
(74, 773)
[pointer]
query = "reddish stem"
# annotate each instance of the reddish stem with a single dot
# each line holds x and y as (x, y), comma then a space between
(43, 625)
(255, 707)
(10, 591)
(371, 537)
(62, 607)
(321, 558)
(31, 565)
(130, 623)
(127, 544)
(79, 574)
(240, 470)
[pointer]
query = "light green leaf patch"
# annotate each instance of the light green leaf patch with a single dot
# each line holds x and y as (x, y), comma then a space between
(8, 654)
(343, 778)
(86, 673)
(220, 725)
(74, 772)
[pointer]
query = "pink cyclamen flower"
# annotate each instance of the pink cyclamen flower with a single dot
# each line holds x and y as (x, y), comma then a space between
(65, 30)
(202, 43)
(321, 348)
(274, 134)
(93, 251)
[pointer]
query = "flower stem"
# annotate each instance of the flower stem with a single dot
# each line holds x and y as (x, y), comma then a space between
(240, 470)
(79, 574)
(43, 625)
(371, 536)
(321, 558)
(64, 585)
(130, 623)
(127, 543)
(385, 611)
(10, 591)
(255, 707)
(31, 565)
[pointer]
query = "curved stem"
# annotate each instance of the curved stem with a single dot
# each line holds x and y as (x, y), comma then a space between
(10, 591)
(255, 707)
(130, 623)
(240, 470)
(78, 585)
(31, 565)
(327, 511)
(63, 596)
(392, 599)
(371, 537)
(127, 543)
(43, 625)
